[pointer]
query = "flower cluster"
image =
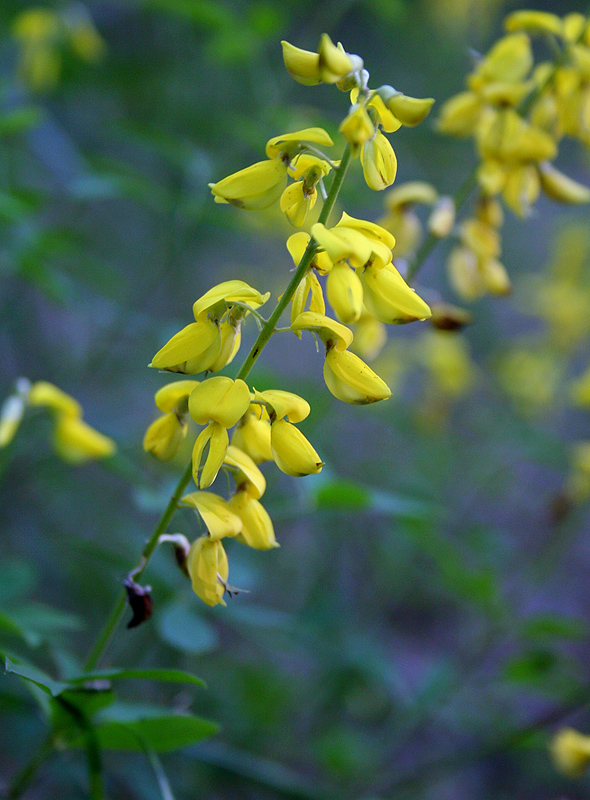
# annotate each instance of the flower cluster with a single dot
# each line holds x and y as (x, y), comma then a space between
(517, 113)
(351, 261)
(73, 439)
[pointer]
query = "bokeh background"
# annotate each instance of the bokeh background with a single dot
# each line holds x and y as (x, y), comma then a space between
(423, 629)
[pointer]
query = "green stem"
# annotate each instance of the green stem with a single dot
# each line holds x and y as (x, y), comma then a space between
(261, 341)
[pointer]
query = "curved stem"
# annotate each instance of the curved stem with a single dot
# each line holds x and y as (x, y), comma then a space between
(261, 341)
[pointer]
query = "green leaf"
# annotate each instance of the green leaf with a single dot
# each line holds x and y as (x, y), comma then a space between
(182, 627)
(36, 676)
(157, 674)
(124, 727)
(20, 119)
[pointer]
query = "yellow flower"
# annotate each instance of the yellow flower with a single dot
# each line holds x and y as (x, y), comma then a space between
(223, 296)
(219, 518)
(246, 474)
(292, 452)
(326, 328)
(163, 437)
(379, 162)
(252, 435)
(351, 380)
(297, 202)
(345, 293)
(216, 436)
(208, 569)
(220, 399)
(289, 144)
(76, 442)
(328, 65)
(302, 65)
(43, 393)
(370, 336)
(357, 127)
(389, 298)
(571, 752)
(253, 188)
(11, 415)
(257, 529)
(408, 110)
(580, 390)
(193, 349)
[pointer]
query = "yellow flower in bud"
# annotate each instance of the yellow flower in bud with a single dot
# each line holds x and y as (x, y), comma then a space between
(334, 63)
(409, 110)
(357, 127)
(297, 244)
(193, 349)
(491, 176)
(163, 437)
(43, 393)
(208, 569)
(460, 114)
(410, 193)
(230, 331)
(379, 162)
(292, 452)
(281, 404)
(216, 436)
(218, 516)
(561, 188)
(246, 474)
(571, 752)
(345, 293)
(223, 296)
(252, 435)
(297, 202)
(370, 336)
(257, 529)
(389, 298)
(219, 399)
(534, 22)
(253, 188)
(495, 277)
(574, 26)
(442, 218)
(386, 119)
(326, 328)
(76, 442)
(290, 143)
(351, 380)
(481, 238)
(302, 65)
(11, 415)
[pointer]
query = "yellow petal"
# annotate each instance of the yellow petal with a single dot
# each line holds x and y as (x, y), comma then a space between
(253, 188)
(289, 142)
(345, 293)
(561, 188)
(284, 404)
(389, 298)
(227, 293)
(208, 569)
(409, 110)
(191, 350)
(230, 331)
(292, 452)
(77, 442)
(46, 394)
(534, 22)
(163, 437)
(357, 127)
(169, 396)
(379, 162)
(351, 380)
(571, 752)
(296, 203)
(214, 435)
(215, 512)
(257, 528)
(247, 475)
(326, 328)
(334, 62)
(302, 65)
(252, 436)
(220, 399)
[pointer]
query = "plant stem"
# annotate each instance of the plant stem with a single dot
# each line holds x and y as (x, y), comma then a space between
(258, 346)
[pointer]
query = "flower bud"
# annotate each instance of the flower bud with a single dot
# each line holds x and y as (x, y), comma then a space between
(351, 380)
(253, 188)
(379, 162)
(292, 452)
(77, 442)
(297, 202)
(334, 62)
(561, 188)
(389, 298)
(345, 293)
(302, 65)
(357, 127)
(230, 332)
(408, 110)
(163, 437)
(208, 569)
(283, 404)
(442, 218)
(191, 350)
(43, 393)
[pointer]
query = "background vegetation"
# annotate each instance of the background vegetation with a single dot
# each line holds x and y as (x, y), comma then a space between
(424, 627)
